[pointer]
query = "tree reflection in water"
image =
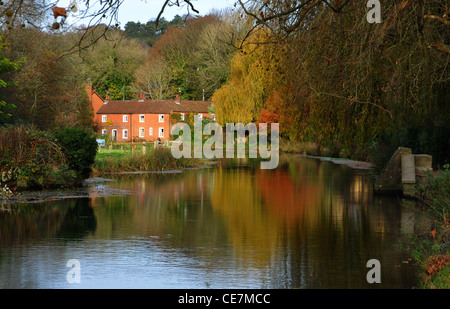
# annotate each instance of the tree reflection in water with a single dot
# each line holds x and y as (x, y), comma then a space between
(307, 224)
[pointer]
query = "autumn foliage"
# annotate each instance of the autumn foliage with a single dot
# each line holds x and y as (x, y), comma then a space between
(436, 263)
(356, 89)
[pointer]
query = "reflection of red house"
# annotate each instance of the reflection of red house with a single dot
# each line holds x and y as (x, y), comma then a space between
(140, 119)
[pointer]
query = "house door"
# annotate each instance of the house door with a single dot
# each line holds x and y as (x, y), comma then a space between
(114, 135)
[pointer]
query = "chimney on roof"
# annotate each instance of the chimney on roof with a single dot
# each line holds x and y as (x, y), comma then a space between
(89, 89)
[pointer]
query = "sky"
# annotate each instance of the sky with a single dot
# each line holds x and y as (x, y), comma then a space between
(144, 10)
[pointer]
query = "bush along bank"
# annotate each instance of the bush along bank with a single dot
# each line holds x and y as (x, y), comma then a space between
(159, 159)
(433, 251)
(31, 159)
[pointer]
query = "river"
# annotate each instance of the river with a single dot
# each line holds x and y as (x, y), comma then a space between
(308, 224)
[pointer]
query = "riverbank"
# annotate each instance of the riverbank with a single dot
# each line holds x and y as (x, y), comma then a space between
(347, 162)
(432, 251)
(159, 159)
(314, 151)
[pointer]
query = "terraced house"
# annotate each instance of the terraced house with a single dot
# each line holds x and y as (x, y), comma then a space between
(131, 120)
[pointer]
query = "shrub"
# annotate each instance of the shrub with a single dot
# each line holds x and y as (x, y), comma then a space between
(80, 148)
(30, 159)
(434, 192)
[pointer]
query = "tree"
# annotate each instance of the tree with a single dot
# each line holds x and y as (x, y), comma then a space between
(154, 78)
(212, 58)
(354, 88)
(283, 18)
(112, 62)
(360, 88)
(255, 71)
(151, 31)
(6, 66)
(190, 61)
(35, 14)
(80, 148)
(50, 89)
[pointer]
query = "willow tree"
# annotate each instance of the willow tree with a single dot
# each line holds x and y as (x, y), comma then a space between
(360, 86)
(255, 71)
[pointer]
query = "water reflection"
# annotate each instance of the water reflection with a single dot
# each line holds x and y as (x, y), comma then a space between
(73, 218)
(307, 224)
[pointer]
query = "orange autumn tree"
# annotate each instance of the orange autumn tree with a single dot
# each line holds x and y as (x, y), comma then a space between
(276, 110)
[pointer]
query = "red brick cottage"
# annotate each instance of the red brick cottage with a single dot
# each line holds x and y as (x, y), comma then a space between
(148, 120)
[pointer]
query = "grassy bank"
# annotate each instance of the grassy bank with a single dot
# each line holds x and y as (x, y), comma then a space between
(159, 159)
(432, 252)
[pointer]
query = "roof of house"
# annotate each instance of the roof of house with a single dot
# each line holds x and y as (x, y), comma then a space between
(153, 107)
(190, 106)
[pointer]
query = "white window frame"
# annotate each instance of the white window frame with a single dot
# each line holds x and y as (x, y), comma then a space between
(182, 116)
(124, 118)
(141, 118)
(161, 117)
(104, 118)
(142, 130)
(125, 132)
(161, 132)
(150, 131)
(104, 131)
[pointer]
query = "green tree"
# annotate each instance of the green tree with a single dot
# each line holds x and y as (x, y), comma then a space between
(112, 62)
(80, 148)
(191, 61)
(49, 86)
(6, 66)
(150, 32)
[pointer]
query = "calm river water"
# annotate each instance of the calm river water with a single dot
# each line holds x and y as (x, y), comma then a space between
(308, 224)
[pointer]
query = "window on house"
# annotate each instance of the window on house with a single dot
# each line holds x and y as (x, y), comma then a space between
(161, 118)
(161, 132)
(182, 116)
(125, 134)
(141, 132)
(114, 134)
(141, 118)
(104, 132)
(125, 118)
(150, 130)
(103, 118)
